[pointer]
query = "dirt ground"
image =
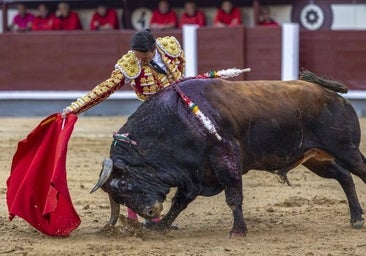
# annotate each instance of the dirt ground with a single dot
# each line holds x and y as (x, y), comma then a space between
(309, 218)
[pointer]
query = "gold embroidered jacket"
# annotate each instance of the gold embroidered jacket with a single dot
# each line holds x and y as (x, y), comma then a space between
(144, 79)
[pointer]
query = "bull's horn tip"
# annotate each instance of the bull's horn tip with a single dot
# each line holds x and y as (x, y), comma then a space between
(96, 187)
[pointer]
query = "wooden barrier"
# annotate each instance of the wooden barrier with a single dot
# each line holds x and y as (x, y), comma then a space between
(58, 60)
(220, 48)
(340, 55)
(78, 60)
(75, 60)
(263, 53)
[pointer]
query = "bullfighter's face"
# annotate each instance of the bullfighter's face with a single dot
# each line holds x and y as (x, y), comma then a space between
(130, 188)
(145, 57)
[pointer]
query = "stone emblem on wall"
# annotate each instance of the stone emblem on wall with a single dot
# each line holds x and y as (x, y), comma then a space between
(140, 18)
(312, 16)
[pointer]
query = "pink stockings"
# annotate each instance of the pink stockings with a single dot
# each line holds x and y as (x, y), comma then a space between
(133, 216)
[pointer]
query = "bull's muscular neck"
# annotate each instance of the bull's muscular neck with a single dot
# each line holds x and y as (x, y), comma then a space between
(145, 168)
(163, 173)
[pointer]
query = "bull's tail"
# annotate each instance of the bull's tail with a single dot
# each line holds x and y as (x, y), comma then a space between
(307, 76)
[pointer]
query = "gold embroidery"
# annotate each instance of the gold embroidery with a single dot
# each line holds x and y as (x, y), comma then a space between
(150, 80)
(129, 65)
(141, 96)
(169, 45)
(99, 93)
(148, 90)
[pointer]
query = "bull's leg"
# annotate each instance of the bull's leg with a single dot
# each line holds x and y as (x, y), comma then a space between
(354, 161)
(343, 143)
(227, 168)
(232, 199)
(329, 169)
(115, 208)
(180, 202)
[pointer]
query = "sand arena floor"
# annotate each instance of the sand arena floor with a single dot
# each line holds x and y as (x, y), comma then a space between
(309, 218)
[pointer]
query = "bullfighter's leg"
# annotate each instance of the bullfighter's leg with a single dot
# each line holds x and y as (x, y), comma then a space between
(180, 202)
(227, 168)
(329, 169)
(131, 214)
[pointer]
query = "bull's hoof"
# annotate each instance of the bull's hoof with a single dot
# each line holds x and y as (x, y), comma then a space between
(357, 224)
(237, 234)
(109, 230)
(159, 226)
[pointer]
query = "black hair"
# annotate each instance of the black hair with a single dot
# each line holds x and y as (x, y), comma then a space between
(143, 41)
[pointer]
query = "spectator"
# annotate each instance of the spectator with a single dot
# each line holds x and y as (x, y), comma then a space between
(163, 17)
(191, 15)
(104, 18)
(65, 19)
(265, 18)
(227, 15)
(23, 20)
(44, 20)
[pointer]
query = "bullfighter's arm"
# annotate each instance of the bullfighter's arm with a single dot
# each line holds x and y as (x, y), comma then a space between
(182, 60)
(98, 94)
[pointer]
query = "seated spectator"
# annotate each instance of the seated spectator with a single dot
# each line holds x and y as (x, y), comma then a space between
(265, 18)
(104, 18)
(44, 20)
(191, 15)
(65, 19)
(227, 15)
(23, 20)
(163, 17)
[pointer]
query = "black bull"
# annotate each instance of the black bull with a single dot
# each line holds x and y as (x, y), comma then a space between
(265, 125)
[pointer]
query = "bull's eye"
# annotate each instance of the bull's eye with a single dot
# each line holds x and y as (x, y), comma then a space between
(123, 183)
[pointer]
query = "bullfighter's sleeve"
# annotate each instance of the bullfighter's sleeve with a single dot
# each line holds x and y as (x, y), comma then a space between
(182, 61)
(99, 93)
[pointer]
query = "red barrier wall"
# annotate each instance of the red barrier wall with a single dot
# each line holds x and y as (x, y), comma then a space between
(78, 60)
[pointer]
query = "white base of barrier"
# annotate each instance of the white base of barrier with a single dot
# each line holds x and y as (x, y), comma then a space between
(44, 103)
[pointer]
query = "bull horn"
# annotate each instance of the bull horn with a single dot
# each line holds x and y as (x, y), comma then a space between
(104, 175)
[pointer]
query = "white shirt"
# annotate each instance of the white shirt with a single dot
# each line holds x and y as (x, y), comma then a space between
(157, 58)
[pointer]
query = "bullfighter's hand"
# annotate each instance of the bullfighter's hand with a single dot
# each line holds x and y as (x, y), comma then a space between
(65, 112)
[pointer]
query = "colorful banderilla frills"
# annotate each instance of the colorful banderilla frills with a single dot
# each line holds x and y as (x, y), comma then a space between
(195, 109)
(123, 137)
(226, 73)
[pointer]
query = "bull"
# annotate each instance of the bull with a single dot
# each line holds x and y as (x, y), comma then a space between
(263, 125)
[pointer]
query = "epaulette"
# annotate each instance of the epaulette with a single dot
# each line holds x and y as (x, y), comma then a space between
(169, 45)
(129, 65)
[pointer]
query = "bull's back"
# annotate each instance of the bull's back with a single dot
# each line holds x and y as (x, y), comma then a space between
(279, 101)
(273, 118)
(266, 99)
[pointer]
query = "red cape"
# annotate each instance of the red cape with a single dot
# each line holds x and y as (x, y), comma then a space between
(37, 187)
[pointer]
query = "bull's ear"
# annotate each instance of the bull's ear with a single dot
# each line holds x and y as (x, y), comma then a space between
(120, 165)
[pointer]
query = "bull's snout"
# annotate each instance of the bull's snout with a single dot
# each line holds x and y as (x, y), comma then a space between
(153, 211)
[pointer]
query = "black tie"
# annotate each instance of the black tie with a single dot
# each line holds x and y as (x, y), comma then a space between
(157, 67)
